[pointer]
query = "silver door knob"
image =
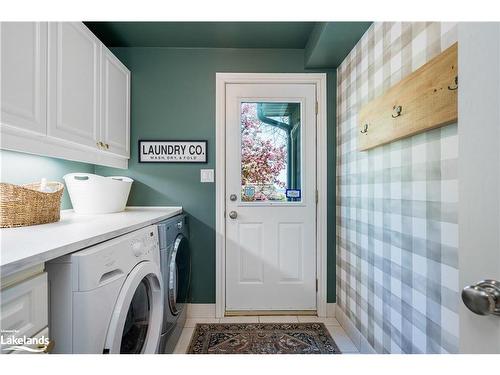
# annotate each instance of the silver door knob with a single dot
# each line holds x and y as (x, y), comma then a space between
(483, 298)
(233, 197)
(233, 214)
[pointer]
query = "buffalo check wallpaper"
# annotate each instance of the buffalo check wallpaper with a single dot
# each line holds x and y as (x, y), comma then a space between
(396, 219)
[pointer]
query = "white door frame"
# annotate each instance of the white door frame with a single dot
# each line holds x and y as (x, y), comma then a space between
(222, 79)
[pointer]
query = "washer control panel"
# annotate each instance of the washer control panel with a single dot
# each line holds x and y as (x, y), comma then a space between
(146, 243)
(137, 248)
(110, 259)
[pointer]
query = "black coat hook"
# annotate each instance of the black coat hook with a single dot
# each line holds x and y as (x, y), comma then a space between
(365, 130)
(456, 85)
(397, 111)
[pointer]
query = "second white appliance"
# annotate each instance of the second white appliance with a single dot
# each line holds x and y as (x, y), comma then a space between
(108, 298)
(175, 257)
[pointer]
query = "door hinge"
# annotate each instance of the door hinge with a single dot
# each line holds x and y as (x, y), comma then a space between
(317, 196)
(317, 105)
(316, 285)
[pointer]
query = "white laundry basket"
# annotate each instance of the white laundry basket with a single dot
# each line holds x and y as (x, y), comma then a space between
(94, 194)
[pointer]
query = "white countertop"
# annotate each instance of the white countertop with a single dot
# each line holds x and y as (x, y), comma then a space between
(25, 247)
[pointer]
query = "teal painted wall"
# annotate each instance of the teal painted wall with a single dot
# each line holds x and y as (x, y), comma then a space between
(20, 168)
(330, 42)
(173, 97)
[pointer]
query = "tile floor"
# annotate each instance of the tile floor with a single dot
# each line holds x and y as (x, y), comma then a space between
(333, 326)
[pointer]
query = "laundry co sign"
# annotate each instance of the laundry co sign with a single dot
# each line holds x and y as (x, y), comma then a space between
(172, 151)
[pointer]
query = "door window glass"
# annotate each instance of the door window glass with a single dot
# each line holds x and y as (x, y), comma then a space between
(137, 322)
(270, 152)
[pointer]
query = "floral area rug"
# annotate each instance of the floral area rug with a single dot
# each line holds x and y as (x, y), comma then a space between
(263, 338)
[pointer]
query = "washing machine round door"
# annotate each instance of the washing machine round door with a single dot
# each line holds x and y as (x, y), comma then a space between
(179, 275)
(136, 321)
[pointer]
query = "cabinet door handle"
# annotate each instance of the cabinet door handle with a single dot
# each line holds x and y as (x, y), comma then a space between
(102, 146)
(48, 348)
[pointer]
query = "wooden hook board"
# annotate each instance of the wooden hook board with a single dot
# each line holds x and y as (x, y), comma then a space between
(424, 100)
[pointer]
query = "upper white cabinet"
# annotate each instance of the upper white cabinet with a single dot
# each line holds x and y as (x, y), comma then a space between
(115, 100)
(24, 75)
(64, 94)
(73, 95)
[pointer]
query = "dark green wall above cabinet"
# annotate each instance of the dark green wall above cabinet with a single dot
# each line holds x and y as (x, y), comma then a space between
(330, 42)
(203, 34)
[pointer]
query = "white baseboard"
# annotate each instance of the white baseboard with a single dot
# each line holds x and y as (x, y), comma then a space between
(201, 310)
(356, 337)
(330, 310)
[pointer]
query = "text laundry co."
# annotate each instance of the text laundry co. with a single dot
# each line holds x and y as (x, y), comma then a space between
(171, 151)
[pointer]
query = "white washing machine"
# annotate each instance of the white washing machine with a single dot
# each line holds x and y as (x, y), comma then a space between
(108, 298)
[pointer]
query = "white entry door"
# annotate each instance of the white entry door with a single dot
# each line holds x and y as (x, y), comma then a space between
(270, 197)
(479, 186)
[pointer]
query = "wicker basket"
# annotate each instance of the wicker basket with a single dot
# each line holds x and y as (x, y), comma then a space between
(25, 205)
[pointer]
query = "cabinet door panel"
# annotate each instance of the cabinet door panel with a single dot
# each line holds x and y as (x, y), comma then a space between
(115, 94)
(24, 307)
(24, 75)
(74, 56)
